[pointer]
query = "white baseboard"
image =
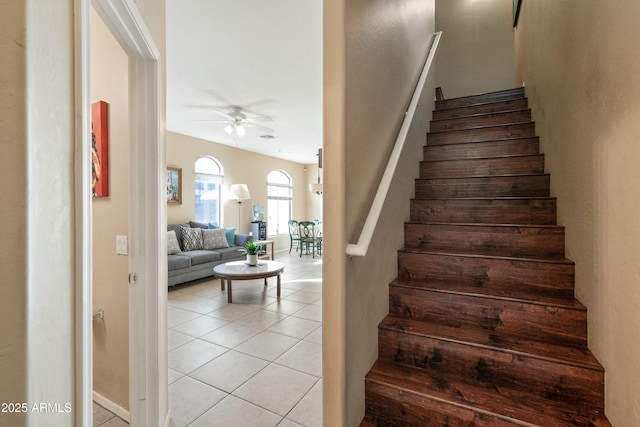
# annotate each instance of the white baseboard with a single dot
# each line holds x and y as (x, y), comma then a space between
(109, 405)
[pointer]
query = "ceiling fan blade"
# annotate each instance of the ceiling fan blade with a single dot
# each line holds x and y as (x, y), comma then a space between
(257, 126)
(212, 121)
(260, 118)
(222, 113)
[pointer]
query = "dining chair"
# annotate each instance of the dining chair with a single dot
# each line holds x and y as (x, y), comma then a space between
(294, 234)
(308, 237)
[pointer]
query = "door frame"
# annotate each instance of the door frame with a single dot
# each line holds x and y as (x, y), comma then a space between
(148, 375)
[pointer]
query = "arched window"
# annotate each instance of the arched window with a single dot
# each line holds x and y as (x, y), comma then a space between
(279, 197)
(208, 187)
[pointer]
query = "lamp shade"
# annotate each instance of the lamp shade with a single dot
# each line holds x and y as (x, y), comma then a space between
(316, 188)
(239, 192)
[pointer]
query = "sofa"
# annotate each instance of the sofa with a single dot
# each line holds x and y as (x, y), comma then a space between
(194, 248)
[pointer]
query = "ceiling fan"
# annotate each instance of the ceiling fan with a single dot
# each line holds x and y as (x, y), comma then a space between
(237, 121)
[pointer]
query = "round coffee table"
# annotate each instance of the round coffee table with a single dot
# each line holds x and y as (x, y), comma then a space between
(240, 270)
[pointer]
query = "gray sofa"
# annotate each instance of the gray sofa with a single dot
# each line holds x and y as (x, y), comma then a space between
(185, 266)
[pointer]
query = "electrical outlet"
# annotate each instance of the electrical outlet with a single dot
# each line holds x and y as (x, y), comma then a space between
(122, 246)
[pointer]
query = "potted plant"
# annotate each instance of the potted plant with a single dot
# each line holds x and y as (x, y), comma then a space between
(252, 250)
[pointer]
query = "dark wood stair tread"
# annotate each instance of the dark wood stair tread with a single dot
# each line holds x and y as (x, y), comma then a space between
(463, 288)
(505, 198)
(474, 150)
(482, 98)
(483, 328)
(482, 134)
(472, 254)
(484, 210)
(487, 107)
(519, 346)
(510, 406)
(486, 177)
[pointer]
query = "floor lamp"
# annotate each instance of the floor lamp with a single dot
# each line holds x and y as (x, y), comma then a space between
(239, 192)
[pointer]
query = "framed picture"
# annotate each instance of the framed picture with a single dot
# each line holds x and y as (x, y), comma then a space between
(99, 149)
(516, 11)
(174, 185)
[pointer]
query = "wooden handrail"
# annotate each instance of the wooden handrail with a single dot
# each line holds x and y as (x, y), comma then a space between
(361, 248)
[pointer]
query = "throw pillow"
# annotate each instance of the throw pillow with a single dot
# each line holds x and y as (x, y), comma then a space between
(231, 233)
(192, 238)
(214, 239)
(213, 226)
(172, 243)
(196, 224)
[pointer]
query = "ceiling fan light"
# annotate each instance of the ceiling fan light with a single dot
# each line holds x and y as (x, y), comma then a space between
(240, 130)
(229, 129)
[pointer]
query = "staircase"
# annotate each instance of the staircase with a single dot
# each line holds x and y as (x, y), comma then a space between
(484, 329)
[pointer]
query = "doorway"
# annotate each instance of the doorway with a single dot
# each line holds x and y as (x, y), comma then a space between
(146, 269)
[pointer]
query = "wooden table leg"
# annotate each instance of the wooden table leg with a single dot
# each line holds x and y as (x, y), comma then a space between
(265, 281)
(278, 286)
(229, 291)
(221, 284)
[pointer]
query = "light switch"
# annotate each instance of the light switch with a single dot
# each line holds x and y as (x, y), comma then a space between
(122, 246)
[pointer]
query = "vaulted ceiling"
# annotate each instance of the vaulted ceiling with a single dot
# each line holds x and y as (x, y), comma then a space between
(262, 56)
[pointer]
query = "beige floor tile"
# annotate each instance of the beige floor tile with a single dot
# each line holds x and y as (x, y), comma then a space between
(100, 415)
(315, 336)
(193, 354)
(276, 388)
(285, 306)
(257, 300)
(177, 316)
(304, 297)
(308, 412)
(115, 422)
(197, 304)
(273, 292)
(260, 329)
(231, 335)
(267, 345)
(234, 412)
(304, 284)
(174, 376)
(288, 423)
(176, 339)
(232, 312)
(211, 290)
(310, 312)
(200, 326)
(189, 399)
(229, 371)
(261, 319)
(295, 327)
(304, 356)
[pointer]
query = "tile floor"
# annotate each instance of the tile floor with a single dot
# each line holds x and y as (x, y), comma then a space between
(256, 362)
(104, 418)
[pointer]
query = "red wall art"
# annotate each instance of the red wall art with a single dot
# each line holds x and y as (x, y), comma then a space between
(99, 149)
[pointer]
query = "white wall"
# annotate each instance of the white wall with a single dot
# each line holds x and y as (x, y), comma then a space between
(13, 213)
(38, 122)
(109, 83)
(370, 72)
(476, 49)
(581, 62)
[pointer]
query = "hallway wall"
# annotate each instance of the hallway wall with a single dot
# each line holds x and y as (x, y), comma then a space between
(476, 50)
(41, 221)
(13, 173)
(386, 46)
(580, 61)
(109, 83)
